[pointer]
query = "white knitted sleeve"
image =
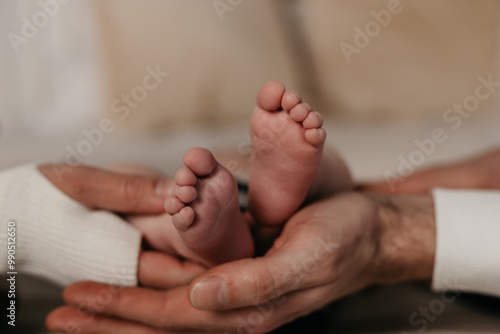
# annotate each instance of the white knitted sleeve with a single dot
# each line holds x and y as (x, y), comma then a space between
(59, 239)
(467, 236)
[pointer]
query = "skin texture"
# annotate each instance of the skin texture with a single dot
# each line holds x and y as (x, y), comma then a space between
(481, 172)
(374, 242)
(205, 210)
(122, 192)
(287, 142)
(318, 258)
(97, 188)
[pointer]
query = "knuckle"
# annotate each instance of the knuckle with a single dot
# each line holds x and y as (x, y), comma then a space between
(133, 191)
(264, 286)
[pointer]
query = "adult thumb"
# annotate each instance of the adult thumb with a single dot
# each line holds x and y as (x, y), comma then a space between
(296, 264)
(237, 284)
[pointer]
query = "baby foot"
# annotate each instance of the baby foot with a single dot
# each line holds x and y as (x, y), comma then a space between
(205, 210)
(287, 142)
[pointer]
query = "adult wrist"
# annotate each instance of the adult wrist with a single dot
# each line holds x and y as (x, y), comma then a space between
(406, 238)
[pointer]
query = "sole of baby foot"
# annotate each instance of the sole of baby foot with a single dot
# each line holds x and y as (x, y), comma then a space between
(205, 210)
(287, 141)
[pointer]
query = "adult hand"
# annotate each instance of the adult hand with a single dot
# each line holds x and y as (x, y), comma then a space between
(126, 193)
(140, 193)
(101, 189)
(482, 172)
(327, 250)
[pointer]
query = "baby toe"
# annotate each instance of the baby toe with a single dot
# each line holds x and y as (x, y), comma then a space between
(187, 194)
(183, 219)
(300, 112)
(269, 95)
(173, 205)
(200, 161)
(313, 120)
(290, 99)
(185, 177)
(315, 136)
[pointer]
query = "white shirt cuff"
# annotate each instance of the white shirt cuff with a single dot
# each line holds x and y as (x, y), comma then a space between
(61, 240)
(467, 241)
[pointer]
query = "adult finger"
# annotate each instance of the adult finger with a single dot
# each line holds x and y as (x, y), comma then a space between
(171, 310)
(420, 183)
(423, 182)
(67, 319)
(97, 188)
(481, 172)
(173, 271)
(167, 309)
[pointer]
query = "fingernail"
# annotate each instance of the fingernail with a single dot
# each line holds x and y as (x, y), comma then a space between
(163, 188)
(210, 294)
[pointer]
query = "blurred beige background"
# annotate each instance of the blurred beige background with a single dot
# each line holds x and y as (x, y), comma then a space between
(426, 58)
(420, 60)
(385, 73)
